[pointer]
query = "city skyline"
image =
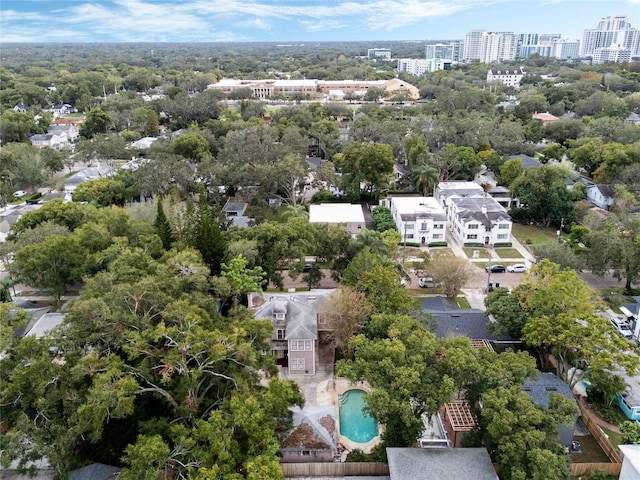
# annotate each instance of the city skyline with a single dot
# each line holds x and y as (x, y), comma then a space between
(47, 21)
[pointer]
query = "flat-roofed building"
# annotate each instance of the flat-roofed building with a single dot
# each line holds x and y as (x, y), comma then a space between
(418, 219)
(346, 215)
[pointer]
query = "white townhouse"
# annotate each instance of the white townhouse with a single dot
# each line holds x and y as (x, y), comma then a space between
(457, 189)
(478, 220)
(350, 217)
(418, 219)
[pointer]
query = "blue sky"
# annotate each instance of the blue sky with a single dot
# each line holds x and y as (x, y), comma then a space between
(295, 20)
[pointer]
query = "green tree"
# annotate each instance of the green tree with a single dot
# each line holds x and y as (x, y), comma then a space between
(191, 145)
(365, 163)
(426, 178)
(615, 247)
(208, 237)
(102, 192)
(630, 433)
(509, 315)
(240, 279)
(52, 265)
(510, 170)
(398, 358)
(97, 121)
(525, 436)
(562, 320)
(163, 227)
(543, 193)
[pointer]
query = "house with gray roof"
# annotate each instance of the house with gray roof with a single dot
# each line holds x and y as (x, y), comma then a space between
(95, 471)
(632, 119)
(527, 161)
(601, 195)
(313, 437)
(440, 464)
(540, 393)
(452, 321)
(478, 220)
(89, 173)
(234, 210)
(294, 317)
(445, 191)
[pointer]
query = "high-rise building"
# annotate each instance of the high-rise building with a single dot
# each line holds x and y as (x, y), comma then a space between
(548, 38)
(490, 47)
(418, 66)
(565, 48)
(526, 51)
(472, 49)
(615, 54)
(440, 50)
(498, 46)
(379, 53)
(612, 32)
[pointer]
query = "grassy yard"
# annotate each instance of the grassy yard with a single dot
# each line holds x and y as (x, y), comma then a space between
(614, 437)
(508, 253)
(532, 235)
(482, 252)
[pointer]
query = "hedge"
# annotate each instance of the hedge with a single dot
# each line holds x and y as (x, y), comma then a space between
(410, 244)
(438, 244)
(473, 244)
(503, 244)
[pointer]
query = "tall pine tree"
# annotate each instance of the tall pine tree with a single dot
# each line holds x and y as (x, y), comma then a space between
(208, 237)
(163, 227)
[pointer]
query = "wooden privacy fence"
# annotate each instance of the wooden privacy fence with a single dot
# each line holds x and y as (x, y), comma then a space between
(334, 469)
(598, 434)
(578, 469)
(612, 468)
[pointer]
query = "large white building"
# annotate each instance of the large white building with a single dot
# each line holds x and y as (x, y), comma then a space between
(348, 216)
(509, 76)
(490, 47)
(418, 219)
(379, 53)
(478, 220)
(445, 51)
(613, 31)
(565, 48)
(419, 66)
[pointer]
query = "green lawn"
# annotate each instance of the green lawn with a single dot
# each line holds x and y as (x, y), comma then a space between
(614, 437)
(482, 252)
(508, 253)
(531, 235)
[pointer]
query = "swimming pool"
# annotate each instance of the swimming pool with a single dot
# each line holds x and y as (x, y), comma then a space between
(356, 425)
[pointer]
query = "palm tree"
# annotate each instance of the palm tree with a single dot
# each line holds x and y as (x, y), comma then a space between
(373, 240)
(295, 211)
(426, 178)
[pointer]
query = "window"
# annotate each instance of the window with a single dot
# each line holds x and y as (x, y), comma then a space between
(503, 236)
(438, 226)
(410, 235)
(472, 237)
(503, 226)
(297, 363)
(408, 226)
(473, 226)
(359, 226)
(278, 316)
(300, 345)
(423, 226)
(437, 236)
(280, 334)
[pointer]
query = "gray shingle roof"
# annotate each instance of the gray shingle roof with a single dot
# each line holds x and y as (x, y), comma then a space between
(484, 210)
(527, 161)
(540, 389)
(452, 320)
(95, 471)
(440, 464)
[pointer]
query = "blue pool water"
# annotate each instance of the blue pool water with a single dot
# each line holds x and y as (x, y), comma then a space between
(356, 425)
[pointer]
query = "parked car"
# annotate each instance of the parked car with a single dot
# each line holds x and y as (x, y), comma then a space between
(495, 268)
(517, 268)
(307, 267)
(428, 282)
(621, 327)
(19, 193)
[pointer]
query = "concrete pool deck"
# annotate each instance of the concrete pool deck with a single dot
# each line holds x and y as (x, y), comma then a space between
(328, 393)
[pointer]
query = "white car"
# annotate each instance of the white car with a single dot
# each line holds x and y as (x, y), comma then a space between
(19, 193)
(517, 268)
(621, 327)
(427, 282)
